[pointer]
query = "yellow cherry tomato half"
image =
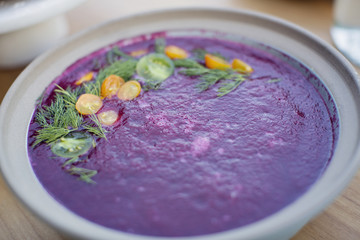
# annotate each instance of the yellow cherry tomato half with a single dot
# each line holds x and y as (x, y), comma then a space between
(111, 86)
(214, 62)
(108, 117)
(129, 90)
(241, 66)
(88, 104)
(86, 78)
(175, 52)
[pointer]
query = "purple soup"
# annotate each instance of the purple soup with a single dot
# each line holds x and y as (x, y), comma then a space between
(182, 159)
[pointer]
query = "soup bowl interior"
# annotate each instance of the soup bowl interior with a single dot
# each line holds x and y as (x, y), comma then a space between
(337, 75)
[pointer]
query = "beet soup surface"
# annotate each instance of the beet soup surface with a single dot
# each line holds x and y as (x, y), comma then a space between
(180, 162)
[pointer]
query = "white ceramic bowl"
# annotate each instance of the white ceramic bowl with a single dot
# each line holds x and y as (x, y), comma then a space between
(27, 28)
(330, 66)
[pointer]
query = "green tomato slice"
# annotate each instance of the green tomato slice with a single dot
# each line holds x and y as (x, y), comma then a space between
(72, 145)
(155, 67)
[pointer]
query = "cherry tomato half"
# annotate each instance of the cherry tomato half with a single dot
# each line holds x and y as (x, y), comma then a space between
(86, 78)
(241, 66)
(108, 117)
(88, 104)
(111, 86)
(214, 62)
(129, 90)
(175, 52)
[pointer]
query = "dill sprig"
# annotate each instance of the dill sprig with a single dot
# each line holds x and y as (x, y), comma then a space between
(56, 120)
(199, 54)
(274, 80)
(83, 173)
(69, 96)
(114, 54)
(231, 85)
(187, 63)
(125, 69)
(71, 161)
(210, 77)
(97, 129)
(160, 44)
(50, 134)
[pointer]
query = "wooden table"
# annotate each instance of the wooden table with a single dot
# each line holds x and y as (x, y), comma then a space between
(341, 220)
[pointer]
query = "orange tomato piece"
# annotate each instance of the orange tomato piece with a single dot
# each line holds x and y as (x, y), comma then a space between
(138, 53)
(88, 104)
(241, 66)
(111, 86)
(214, 62)
(86, 78)
(108, 117)
(175, 52)
(129, 90)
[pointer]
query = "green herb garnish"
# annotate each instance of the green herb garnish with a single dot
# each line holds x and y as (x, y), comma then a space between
(83, 173)
(98, 130)
(210, 77)
(199, 54)
(187, 63)
(231, 85)
(58, 119)
(113, 55)
(274, 80)
(160, 44)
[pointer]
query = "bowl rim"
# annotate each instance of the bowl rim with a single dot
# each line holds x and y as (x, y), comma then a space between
(246, 232)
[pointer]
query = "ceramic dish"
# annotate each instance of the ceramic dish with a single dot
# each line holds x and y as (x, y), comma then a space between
(331, 67)
(22, 28)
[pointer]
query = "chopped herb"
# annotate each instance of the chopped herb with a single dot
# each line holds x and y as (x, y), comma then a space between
(71, 161)
(50, 134)
(97, 129)
(56, 120)
(199, 54)
(160, 45)
(83, 173)
(231, 85)
(120, 53)
(96, 64)
(209, 77)
(69, 96)
(274, 80)
(187, 63)
(124, 69)
(114, 53)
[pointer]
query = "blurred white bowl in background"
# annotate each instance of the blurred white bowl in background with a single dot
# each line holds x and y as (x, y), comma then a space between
(27, 28)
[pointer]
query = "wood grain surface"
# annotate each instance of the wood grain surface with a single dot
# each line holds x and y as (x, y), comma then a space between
(341, 220)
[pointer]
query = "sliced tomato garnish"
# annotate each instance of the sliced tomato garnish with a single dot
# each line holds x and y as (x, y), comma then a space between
(108, 117)
(241, 66)
(111, 86)
(88, 104)
(214, 62)
(129, 90)
(86, 78)
(175, 52)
